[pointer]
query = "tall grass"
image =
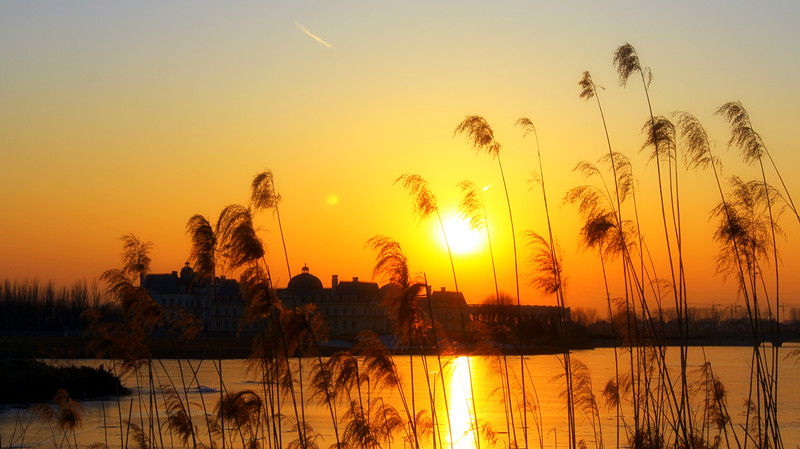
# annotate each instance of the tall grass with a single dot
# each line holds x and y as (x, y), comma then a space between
(35, 306)
(680, 407)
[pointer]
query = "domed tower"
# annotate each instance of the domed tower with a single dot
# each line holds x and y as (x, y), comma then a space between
(304, 283)
(187, 276)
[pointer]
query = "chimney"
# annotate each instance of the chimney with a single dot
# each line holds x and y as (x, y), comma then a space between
(355, 279)
(334, 281)
(443, 289)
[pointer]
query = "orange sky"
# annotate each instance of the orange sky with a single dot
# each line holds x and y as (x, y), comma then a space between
(130, 118)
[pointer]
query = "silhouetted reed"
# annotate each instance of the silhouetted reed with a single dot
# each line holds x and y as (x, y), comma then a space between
(671, 406)
(425, 205)
(400, 297)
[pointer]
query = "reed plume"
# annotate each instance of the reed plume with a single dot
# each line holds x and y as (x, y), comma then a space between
(550, 279)
(546, 262)
(202, 254)
(178, 418)
(422, 198)
(264, 196)
(237, 237)
(472, 208)
(481, 136)
(627, 63)
(135, 255)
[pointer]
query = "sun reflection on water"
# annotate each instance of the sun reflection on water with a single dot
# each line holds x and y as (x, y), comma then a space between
(459, 401)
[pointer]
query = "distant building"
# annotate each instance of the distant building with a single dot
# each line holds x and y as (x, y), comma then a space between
(220, 309)
(450, 311)
(349, 306)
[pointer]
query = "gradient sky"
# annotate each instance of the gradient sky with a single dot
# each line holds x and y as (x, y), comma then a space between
(130, 117)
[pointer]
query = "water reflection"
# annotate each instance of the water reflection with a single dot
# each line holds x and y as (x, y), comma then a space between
(104, 420)
(459, 398)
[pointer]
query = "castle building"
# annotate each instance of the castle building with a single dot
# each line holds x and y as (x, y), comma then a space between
(219, 305)
(349, 306)
(450, 311)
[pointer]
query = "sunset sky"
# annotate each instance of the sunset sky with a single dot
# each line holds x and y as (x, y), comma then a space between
(130, 117)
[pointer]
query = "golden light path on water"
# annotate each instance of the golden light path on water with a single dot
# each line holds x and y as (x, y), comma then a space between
(104, 420)
(459, 396)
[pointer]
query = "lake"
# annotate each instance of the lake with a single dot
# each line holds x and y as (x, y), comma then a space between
(100, 419)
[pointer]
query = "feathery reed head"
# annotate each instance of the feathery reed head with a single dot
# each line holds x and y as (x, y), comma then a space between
(527, 126)
(660, 134)
(179, 421)
(624, 170)
(627, 62)
(479, 134)
(423, 199)
(471, 205)
(589, 199)
(135, 255)
(262, 191)
(68, 415)
(242, 407)
(262, 300)
(391, 264)
(744, 223)
(588, 89)
(595, 232)
(697, 148)
(546, 261)
(377, 361)
(743, 135)
(139, 436)
(204, 243)
(237, 237)
(139, 308)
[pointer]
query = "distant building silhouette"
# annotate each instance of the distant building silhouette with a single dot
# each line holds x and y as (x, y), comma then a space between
(219, 309)
(348, 306)
(450, 311)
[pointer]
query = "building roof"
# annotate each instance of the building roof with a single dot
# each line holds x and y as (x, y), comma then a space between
(162, 283)
(304, 283)
(363, 291)
(443, 298)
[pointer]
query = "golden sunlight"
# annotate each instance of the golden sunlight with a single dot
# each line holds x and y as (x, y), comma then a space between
(460, 405)
(462, 238)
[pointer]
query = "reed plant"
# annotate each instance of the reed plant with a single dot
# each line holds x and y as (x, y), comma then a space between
(400, 297)
(679, 407)
(425, 205)
(481, 136)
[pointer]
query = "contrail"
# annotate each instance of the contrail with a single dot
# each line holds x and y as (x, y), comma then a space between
(313, 36)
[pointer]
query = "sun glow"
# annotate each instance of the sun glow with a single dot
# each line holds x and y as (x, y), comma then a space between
(462, 238)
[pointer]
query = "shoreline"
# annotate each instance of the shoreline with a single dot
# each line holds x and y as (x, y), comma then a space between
(55, 345)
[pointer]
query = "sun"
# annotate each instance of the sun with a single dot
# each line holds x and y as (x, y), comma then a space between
(462, 238)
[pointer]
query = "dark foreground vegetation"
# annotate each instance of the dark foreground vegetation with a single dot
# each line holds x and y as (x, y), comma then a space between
(29, 381)
(35, 306)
